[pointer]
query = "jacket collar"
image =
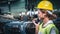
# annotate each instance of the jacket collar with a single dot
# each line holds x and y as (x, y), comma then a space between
(49, 22)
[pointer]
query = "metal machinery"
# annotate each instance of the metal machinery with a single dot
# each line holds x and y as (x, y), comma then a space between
(13, 28)
(9, 26)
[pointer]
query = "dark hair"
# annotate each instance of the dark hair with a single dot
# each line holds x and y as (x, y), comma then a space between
(51, 17)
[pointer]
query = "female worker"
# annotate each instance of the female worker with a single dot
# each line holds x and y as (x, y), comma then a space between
(45, 14)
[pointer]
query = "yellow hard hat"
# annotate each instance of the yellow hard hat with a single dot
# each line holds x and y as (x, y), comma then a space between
(45, 5)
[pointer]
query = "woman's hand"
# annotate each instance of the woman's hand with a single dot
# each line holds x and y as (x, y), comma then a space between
(36, 26)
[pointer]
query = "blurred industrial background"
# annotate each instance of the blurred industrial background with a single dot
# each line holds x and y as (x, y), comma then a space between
(16, 16)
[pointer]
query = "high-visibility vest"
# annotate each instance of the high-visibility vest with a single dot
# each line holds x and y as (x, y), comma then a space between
(47, 29)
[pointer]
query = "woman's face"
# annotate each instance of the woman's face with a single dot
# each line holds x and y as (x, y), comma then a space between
(41, 15)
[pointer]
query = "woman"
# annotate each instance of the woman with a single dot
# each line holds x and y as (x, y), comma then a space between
(45, 14)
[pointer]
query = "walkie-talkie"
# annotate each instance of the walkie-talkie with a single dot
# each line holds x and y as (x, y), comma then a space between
(36, 21)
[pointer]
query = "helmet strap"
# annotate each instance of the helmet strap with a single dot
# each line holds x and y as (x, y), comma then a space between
(50, 12)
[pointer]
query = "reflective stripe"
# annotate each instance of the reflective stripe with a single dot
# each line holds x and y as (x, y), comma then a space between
(40, 33)
(53, 31)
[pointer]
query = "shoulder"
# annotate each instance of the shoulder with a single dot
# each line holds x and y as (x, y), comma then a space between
(50, 26)
(52, 29)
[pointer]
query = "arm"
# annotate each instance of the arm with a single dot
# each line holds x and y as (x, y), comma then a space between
(37, 28)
